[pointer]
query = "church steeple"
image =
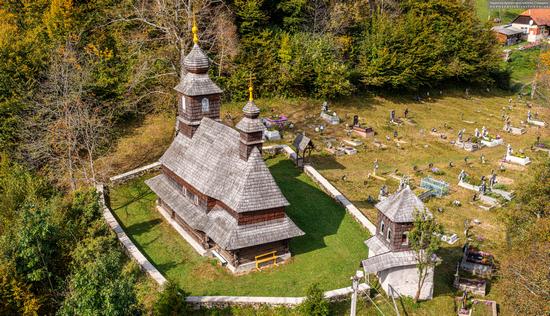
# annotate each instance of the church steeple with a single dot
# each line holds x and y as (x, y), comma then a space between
(250, 128)
(198, 96)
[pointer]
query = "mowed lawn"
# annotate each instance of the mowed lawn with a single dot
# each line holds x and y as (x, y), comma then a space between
(328, 254)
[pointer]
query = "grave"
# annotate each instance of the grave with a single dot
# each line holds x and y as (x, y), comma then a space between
(375, 169)
(513, 130)
(477, 262)
(532, 121)
(437, 187)
(280, 121)
(363, 131)
(329, 117)
(490, 140)
(393, 119)
(272, 135)
(353, 142)
(516, 158)
(349, 150)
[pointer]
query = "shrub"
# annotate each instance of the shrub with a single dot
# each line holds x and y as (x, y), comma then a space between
(171, 301)
(315, 303)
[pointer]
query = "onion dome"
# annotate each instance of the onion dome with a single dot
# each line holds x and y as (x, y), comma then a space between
(250, 109)
(196, 61)
(250, 122)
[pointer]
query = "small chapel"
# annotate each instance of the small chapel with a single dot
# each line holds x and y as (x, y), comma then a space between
(390, 256)
(214, 182)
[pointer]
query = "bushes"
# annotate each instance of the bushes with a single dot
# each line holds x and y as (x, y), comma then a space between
(315, 303)
(170, 302)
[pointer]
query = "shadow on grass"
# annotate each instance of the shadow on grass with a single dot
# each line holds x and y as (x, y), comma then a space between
(444, 273)
(143, 227)
(312, 210)
(324, 162)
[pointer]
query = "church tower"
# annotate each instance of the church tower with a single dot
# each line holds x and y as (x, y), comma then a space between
(250, 128)
(198, 96)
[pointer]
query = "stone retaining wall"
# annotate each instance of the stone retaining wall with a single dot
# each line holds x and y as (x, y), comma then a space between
(134, 173)
(126, 242)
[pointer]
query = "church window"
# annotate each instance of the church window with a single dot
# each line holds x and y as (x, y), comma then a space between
(183, 106)
(389, 234)
(205, 105)
(382, 226)
(405, 238)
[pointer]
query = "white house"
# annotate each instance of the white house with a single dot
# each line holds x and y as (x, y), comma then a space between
(535, 24)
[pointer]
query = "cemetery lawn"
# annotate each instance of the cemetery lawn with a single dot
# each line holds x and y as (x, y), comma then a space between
(328, 254)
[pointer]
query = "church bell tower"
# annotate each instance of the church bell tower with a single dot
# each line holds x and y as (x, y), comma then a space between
(198, 95)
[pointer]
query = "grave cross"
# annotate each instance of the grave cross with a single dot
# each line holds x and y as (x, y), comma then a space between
(392, 116)
(375, 166)
(461, 176)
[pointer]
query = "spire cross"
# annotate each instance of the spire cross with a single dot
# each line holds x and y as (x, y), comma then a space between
(195, 29)
(250, 89)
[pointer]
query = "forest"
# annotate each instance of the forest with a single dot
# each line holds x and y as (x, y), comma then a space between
(75, 73)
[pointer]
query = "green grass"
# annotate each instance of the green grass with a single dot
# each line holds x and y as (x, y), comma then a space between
(523, 64)
(328, 254)
(484, 13)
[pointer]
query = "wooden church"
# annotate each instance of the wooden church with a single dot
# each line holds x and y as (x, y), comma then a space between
(214, 182)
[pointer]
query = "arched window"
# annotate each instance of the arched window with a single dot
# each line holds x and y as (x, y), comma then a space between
(382, 226)
(389, 234)
(183, 106)
(205, 105)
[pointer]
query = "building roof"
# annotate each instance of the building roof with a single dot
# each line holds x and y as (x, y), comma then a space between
(507, 30)
(196, 61)
(218, 224)
(387, 259)
(210, 162)
(539, 16)
(193, 84)
(401, 206)
(301, 142)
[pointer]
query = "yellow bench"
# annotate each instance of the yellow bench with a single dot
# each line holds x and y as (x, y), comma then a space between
(266, 257)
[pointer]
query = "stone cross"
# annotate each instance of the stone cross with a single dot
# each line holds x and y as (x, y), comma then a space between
(484, 132)
(492, 179)
(476, 133)
(483, 187)
(461, 176)
(529, 115)
(392, 115)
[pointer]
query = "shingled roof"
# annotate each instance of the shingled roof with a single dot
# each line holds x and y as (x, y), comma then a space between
(388, 260)
(401, 207)
(220, 225)
(301, 142)
(210, 163)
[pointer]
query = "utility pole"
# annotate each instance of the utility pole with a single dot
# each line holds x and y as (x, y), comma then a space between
(355, 287)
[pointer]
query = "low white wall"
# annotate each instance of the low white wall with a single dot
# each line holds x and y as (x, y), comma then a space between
(134, 173)
(126, 242)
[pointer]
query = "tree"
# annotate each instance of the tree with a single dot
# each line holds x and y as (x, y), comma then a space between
(424, 243)
(171, 301)
(524, 258)
(315, 303)
(100, 282)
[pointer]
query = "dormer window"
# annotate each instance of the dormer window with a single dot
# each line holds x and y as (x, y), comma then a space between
(183, 106)
(405, 238)
(382, 226)
(205, 105)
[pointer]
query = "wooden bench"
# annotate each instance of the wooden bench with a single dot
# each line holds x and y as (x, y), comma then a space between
(266, 257)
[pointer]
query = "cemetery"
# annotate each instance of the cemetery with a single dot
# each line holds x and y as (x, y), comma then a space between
(387, 179)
